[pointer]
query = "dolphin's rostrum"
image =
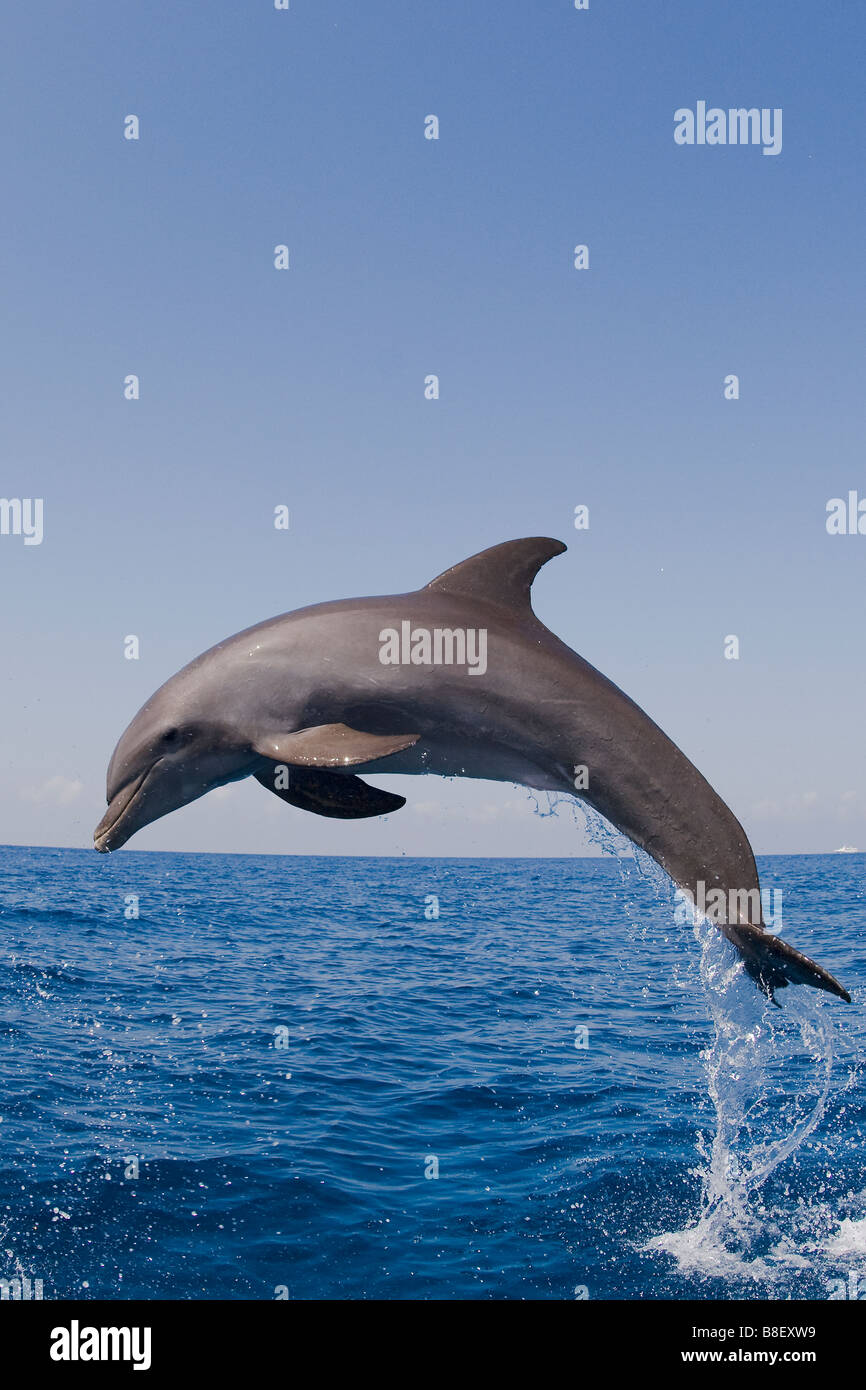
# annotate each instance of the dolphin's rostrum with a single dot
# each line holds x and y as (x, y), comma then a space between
(307, 701)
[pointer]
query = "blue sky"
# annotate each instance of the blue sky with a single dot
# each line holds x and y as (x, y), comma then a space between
(454, 257)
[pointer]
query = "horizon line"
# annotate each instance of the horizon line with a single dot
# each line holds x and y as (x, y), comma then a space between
(505, 858)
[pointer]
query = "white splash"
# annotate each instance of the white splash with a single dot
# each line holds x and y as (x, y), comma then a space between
(761, 1119)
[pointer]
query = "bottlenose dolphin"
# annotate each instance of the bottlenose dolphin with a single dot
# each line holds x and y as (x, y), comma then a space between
(458, 678)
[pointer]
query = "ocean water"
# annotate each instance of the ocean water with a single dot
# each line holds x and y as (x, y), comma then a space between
(248, 1090)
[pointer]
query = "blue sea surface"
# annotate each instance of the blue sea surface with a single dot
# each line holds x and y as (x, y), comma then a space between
(283, 1079)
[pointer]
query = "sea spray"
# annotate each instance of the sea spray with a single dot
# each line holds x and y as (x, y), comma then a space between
(769, 1074)
(769, 1080)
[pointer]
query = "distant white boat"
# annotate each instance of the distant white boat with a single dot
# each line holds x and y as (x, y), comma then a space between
(847, 849)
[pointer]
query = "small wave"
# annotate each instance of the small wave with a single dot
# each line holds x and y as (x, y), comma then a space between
(32, 970)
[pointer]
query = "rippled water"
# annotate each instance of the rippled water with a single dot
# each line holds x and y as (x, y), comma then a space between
(702, 1143)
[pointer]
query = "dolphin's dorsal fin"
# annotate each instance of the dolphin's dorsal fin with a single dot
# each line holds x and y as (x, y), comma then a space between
(503, 574)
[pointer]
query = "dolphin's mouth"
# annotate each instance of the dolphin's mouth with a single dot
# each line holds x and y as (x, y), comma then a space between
(110, 833)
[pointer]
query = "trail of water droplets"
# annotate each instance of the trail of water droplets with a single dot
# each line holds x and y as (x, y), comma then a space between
(770, 1076)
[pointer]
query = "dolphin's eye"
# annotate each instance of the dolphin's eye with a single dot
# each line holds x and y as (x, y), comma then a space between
(170, 736)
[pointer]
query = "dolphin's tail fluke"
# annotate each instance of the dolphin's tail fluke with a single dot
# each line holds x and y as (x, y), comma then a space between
(773, 964)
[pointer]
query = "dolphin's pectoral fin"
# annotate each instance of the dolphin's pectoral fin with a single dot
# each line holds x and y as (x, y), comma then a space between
(335, 794)
(330, 745)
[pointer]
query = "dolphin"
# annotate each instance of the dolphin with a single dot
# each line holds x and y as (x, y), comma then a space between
(459, 678)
